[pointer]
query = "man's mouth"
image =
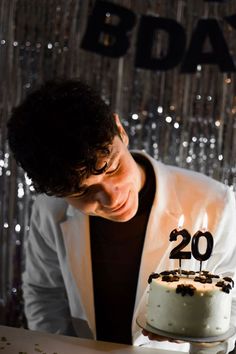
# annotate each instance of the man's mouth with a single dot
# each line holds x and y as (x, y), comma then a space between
(119, 207)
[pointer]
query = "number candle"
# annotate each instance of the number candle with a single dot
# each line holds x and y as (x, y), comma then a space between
(176, 253)
(195, 242)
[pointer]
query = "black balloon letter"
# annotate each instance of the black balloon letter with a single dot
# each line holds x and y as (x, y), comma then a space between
(149, 26)
(98, 26)
(219, 54)
(231, 20)
(215, 0)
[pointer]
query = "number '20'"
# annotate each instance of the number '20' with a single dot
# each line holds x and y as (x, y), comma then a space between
(177, 252)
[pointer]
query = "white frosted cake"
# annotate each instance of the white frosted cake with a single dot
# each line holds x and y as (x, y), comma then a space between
(190, 304)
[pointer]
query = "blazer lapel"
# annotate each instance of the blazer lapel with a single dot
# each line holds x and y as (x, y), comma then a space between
(164, 217)
(77, 242)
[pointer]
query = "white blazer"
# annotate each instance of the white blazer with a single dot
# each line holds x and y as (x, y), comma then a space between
(57, 282)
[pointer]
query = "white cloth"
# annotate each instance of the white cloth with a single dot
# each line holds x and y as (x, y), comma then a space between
(57, 282)
(220, 348)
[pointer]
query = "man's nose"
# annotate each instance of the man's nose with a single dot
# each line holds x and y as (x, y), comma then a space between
(108, 195)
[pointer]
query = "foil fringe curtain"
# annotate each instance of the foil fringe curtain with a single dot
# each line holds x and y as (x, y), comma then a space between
(185, 120)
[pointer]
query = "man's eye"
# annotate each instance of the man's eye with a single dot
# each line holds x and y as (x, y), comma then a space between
(80, 194)
(83, 193)
(112, 170)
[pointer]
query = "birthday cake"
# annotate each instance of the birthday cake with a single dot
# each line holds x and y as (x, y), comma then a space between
(191, 304)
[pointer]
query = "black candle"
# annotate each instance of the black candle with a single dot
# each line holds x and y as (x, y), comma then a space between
(177, 252)
(195, 248)
(195, 243)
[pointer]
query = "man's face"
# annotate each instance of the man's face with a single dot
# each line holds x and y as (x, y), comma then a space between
(113, 194)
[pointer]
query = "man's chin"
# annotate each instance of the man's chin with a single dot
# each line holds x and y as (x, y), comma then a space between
(128, 215)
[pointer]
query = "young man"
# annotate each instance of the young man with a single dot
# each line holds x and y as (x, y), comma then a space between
(102, 222)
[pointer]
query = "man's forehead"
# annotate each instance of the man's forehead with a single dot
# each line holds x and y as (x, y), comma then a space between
(102, 160)
(110, 152)
(85, 172)
(110, 156)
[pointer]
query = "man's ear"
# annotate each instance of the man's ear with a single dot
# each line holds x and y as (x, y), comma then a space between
(121, 130)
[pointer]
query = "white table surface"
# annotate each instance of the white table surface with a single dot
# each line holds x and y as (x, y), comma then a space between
(22, 341)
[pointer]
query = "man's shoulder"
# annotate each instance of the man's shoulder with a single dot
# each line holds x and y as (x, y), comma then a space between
(196, 179)
(49, 202)
(186, 180)
(50, 207)
(200, 191)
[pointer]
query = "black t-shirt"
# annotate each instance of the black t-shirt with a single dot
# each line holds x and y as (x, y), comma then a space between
(116, 249)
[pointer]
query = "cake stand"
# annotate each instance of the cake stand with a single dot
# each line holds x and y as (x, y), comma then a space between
(141, 322)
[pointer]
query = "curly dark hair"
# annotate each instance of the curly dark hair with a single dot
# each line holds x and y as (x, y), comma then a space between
(57, 133)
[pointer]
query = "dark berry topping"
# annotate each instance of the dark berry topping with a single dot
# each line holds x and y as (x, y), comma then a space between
(152, 276)
(229, 280)
(185, 289)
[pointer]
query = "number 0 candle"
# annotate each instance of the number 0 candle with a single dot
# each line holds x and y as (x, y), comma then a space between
(195, 242)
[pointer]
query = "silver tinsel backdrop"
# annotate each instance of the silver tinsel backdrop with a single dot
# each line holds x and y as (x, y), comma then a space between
(180, 118)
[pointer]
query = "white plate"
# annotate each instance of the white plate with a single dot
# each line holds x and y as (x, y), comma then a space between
(141, 321)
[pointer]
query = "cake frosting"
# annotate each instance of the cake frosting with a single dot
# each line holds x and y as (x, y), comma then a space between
(192, 304)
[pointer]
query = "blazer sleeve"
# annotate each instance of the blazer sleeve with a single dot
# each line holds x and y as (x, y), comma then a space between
(45, 301)
(224, 259)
